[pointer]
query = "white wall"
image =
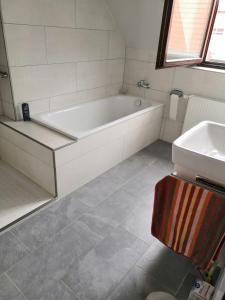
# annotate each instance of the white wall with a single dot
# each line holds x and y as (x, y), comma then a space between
(140, 22)
(62, 52)
(6, 99)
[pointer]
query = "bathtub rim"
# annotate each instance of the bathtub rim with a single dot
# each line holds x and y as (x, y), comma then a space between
(70, 134)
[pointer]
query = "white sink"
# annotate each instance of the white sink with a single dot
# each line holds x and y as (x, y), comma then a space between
(201, 152)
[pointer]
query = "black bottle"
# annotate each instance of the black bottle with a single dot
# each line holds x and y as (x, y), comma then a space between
(26, 112)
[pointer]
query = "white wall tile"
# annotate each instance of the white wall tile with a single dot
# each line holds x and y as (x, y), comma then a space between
(84, 169)
(39, 106)
(213, 85)
(116, 45)
(5, 87)
(1, 108)
(68, 45)
(65, 101)
(91, 74)
(115, 71)
(8, 110)
(138, 54)
(135, 71)
(161, 97)
(188, 80)
(3, 56)
(42, 153)
(39, 12)
(171, 130)
(29, 165)
(37, 82)
(160, 79)
(114, 89)
(133, 90)
(25, 45)
(93, 14)
(35, 107)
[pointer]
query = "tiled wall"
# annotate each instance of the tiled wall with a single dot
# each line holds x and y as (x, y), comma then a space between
(6, 100)
(140, 64)
(62, 52)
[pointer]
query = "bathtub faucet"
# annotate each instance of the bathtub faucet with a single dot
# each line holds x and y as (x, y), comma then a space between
(143, 84)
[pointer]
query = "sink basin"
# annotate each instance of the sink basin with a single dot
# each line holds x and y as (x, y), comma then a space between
(201, 152)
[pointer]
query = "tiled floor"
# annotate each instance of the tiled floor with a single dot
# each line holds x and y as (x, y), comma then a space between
(95, 244)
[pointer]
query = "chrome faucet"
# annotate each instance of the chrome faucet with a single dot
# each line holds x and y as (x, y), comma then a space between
(3, 75)
(143, 84)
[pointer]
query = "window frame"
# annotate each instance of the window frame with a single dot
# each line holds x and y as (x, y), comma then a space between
(162, 47)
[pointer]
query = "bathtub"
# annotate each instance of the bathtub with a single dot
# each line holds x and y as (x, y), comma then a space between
(105, 132)
(85, 119)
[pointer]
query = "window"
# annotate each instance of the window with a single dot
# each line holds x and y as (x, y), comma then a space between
(216, 50)
(192, 33)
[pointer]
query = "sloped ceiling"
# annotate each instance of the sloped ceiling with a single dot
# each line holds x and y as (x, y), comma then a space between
(139, 21)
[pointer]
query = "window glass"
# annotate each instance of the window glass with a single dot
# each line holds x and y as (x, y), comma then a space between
(188, 27)
(216, 51)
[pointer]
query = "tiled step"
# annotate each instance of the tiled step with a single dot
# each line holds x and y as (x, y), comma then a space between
(18, 195)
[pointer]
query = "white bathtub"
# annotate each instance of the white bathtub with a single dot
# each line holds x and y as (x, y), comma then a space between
(106, 131)
(85, 119)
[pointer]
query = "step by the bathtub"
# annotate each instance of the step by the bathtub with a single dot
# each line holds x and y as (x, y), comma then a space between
(19, 195)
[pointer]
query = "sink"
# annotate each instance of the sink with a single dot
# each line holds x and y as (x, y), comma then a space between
(201, 152)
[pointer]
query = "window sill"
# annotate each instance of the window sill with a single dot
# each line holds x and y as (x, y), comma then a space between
(215, 70)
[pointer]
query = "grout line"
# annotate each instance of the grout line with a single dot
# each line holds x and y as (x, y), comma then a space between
(69, 288)
(46, 45)
(67, 63)
(55, 174)
(11, 225)
(61, 27)
(14, 284)
(25, 135)
(27, 249)
(75, 12)
(122, 184)
(127, 273)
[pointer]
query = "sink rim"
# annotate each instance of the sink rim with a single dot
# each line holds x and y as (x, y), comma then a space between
(179, 140)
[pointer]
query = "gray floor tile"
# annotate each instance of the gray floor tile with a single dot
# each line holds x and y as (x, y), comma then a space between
(11, 251)
(97, 224)
(143, 184)
(161, 150)
(94, 276)
(36, 273)
(136, 286)
(105, 185)
(99, 189)
(133, 165)
(186, 287)
(116, 208)
(37, 229)
(166, 266)
(138, 222)
(58, 291)
(8, 291)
